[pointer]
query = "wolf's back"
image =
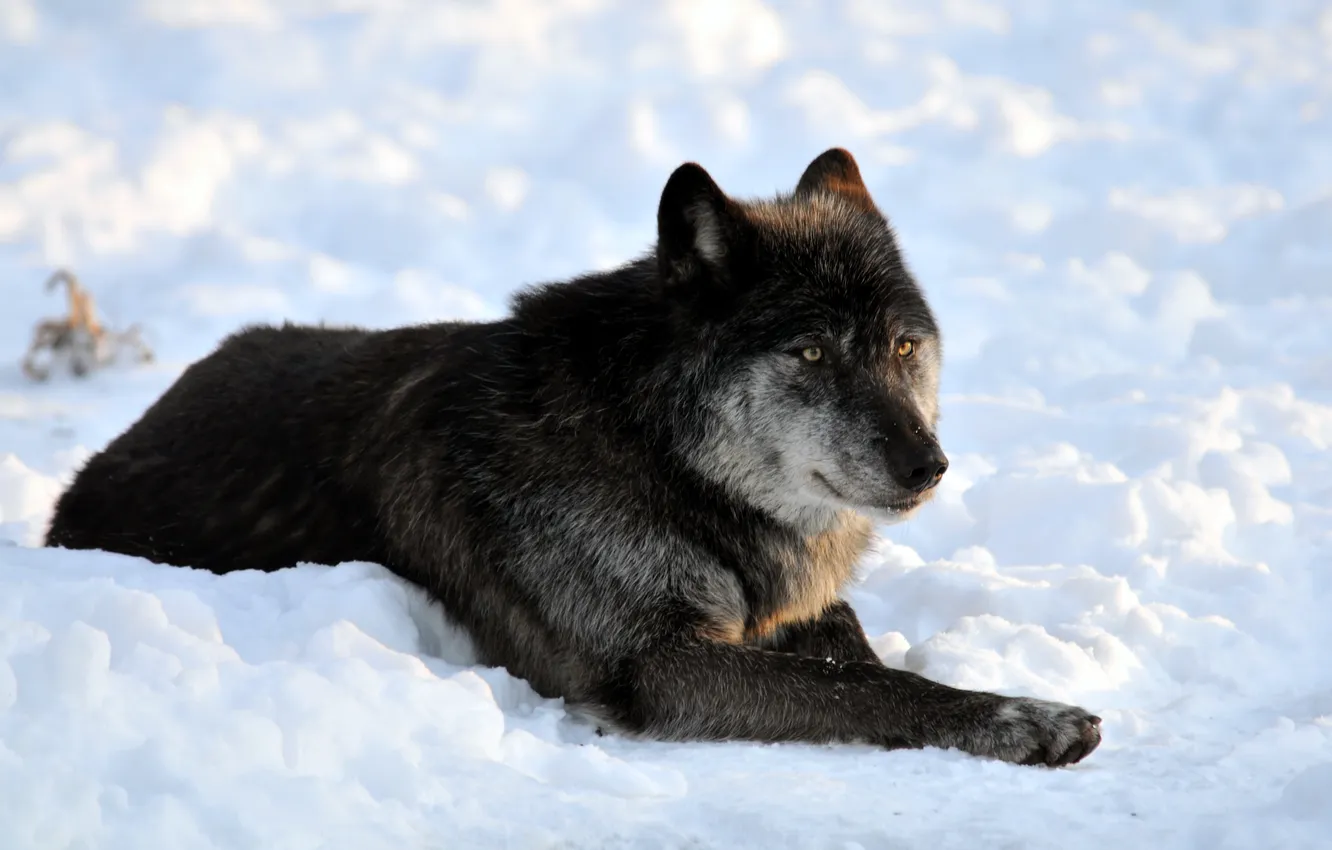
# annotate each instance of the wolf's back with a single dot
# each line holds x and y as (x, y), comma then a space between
(229, 468)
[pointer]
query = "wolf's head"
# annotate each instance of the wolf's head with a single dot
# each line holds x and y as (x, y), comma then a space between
(819, 353)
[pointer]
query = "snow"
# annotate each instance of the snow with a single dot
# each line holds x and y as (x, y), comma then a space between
(1120, 213)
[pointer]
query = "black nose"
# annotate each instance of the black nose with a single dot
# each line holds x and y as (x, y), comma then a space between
(923, 472)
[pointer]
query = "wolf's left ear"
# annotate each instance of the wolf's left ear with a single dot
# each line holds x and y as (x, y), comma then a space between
(696, 225)
(835, 172)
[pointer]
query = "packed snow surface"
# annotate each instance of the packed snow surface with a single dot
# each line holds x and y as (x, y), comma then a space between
(1121, 213)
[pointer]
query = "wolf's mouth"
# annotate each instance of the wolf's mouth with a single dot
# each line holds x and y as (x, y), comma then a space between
(898, 506)
(827, 485)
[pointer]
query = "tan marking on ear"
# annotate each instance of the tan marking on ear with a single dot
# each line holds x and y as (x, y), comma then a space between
(835, 172)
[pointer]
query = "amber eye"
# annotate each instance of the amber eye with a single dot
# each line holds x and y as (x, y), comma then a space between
(812, 353)
(906, 349)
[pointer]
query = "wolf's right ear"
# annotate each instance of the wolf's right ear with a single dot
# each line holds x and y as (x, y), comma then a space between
(696, 223)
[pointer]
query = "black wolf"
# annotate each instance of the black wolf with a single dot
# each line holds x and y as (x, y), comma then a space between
(643, 491)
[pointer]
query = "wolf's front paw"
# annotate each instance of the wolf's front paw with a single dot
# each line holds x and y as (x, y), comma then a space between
(1033, 731)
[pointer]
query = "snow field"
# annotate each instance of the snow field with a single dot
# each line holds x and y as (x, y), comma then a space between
(1119, 211)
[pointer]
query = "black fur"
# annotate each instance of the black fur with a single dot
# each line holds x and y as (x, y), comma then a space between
(572, 484)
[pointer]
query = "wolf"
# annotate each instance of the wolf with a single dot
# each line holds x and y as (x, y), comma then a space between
(643, 490)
